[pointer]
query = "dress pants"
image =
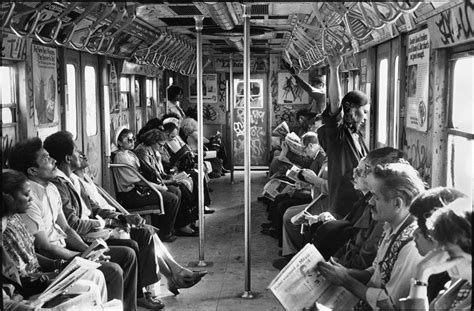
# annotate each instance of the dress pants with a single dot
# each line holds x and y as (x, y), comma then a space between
(142, 243)
(121, 276)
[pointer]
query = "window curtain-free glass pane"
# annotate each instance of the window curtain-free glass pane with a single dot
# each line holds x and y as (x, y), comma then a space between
(382, 102)
(71, 105)
(463, 95)
(460, 164)
(91, 100)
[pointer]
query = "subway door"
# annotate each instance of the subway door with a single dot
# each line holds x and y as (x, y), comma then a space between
(82, 107)
(258, 121)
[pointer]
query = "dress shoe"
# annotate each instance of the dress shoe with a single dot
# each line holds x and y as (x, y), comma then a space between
(225, 170)
(179, 280)
(186, 233)
(168, 238)
(271, 232)
(266, 225)
(150, 302)
(207, 210)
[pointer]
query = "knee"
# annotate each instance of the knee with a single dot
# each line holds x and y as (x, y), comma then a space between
(112, 272)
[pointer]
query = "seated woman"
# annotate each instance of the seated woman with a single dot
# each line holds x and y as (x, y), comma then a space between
(451, 228)
(169, 157)
(26, 274)
(150, 159)
(132, 192)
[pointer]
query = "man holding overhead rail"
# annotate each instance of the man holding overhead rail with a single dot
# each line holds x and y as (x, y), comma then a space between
(342, 140)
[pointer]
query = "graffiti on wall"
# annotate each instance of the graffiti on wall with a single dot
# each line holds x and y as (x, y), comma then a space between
(7, 144)
(452, 26)
(419, 157)
(257, 137)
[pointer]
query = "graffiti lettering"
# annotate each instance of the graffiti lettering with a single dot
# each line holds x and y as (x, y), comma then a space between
(209, 114)
(454, 25)
(419, 158)
(222, 89)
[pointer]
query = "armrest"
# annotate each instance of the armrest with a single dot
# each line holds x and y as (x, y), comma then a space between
(120, 165)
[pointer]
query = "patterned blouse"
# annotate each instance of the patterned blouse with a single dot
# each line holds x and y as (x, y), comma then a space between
(19, 244)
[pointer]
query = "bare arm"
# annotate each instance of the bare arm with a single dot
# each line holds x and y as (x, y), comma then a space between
(334, 84)
(44, 247)
(73, 239)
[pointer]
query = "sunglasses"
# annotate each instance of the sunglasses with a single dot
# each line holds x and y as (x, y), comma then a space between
(131, 140)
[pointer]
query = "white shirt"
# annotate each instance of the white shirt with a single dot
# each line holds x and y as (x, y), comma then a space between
(91, 190)
(403, 269)
(43, 213)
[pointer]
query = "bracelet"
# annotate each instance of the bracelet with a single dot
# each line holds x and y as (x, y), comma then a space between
(419, 283)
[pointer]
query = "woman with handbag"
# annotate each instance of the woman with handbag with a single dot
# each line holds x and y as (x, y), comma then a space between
(133, 193)
(150, 160)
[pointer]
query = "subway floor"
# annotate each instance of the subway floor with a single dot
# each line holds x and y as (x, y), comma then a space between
(224, 242)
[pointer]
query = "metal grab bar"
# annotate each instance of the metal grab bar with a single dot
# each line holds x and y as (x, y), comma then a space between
(35, 17)
(91, 6)
(57, 27)
(101, 36)
(9, 14)
(130, 18)
(109, 8)
(160, 197)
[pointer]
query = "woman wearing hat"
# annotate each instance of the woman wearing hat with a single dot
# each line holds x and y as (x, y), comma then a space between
(132, 192)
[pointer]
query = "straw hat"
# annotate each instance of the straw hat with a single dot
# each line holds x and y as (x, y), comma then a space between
(117, 132)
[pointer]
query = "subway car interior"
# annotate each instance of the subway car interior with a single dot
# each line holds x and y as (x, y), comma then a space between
(237, 155)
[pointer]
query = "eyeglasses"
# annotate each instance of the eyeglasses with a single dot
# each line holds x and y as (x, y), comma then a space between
(131, 139)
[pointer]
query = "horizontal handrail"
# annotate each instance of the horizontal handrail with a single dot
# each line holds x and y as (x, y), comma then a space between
(149, 184)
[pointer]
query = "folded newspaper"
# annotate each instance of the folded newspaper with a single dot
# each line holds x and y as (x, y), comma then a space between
(295, 173)
(281, 130)
(275, 187)
(299, 286)
(66, 278)
(294, 143)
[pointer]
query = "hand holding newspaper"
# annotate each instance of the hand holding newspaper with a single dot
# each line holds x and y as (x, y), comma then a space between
(95, 250)
(300, 286)
(65, 279)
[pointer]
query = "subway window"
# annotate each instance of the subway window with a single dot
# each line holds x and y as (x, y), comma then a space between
(7, 88)
(396, 103)
(71, 105)
(382, 102)
(460, 168)
(150, 90)
(124, 92)
(91, 100)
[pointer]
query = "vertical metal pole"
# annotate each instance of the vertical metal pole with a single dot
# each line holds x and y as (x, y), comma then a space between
(247, 293)
(231, 102)
(198, 20)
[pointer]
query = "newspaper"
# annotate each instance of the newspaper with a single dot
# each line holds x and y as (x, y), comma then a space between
(67, 277)
(180, 176)
(299, 286)
(275, 187)
(294, 143)
(95, 249)
(294, 173)
(281, 130)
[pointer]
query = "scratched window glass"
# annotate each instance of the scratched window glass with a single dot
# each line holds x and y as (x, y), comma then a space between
(91, 100)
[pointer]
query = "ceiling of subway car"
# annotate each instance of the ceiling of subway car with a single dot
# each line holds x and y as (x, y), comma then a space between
(163, 34)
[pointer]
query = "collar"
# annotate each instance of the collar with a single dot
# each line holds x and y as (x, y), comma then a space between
(38, 189)
(387, 228)
(61, 174)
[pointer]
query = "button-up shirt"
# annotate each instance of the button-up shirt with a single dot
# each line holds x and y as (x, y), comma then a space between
(44, 211)
(403, 269)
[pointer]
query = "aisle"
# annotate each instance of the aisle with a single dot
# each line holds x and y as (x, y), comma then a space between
(224, 246)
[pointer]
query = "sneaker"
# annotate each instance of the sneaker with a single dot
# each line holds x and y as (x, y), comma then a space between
(150, 302)
(168, 238)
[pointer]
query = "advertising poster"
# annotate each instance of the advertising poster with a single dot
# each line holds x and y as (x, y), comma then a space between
(45, 82)
(417, 84)
(290, 93)
(209, 88)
